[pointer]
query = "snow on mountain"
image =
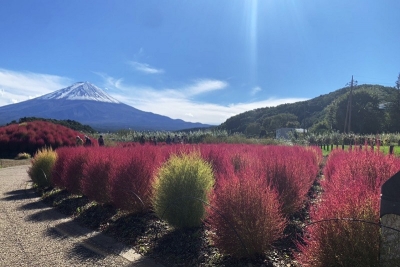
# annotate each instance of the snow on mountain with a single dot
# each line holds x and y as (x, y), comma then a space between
(81, 91)
(88, 104)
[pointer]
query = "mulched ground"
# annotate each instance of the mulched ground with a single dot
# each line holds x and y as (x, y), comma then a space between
(152, 237)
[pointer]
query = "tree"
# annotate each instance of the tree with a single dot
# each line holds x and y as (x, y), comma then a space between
(393, 109)
(367, 117)
(253, 129)
(284, 120)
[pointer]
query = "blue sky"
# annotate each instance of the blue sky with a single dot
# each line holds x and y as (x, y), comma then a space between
(199, 60)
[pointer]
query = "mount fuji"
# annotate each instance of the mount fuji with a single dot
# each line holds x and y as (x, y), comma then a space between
(88, 104)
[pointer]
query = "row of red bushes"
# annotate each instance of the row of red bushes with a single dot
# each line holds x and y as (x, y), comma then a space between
(345, 229)
(256, 188)
(290, 170)
(31, 136)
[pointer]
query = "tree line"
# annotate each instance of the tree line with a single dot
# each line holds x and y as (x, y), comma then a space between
(374, 109)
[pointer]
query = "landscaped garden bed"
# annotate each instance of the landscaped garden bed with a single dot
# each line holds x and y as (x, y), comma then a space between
(269, 205)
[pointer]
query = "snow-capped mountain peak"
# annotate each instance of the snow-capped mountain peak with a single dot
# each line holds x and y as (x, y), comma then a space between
(81, 91)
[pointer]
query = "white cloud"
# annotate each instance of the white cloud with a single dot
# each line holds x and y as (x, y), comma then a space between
(146, 68)
(21, 86)
(255, 90)
(177, 103)
(205, 85)
(110, 81)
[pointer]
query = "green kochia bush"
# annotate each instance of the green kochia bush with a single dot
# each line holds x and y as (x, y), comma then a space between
(181, 186)
(42, 166)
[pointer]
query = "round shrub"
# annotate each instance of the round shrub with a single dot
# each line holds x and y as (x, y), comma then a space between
(245, 216)
(23, 155)
(181, 186)
(131, 188)
(42, 166)
(97, 173)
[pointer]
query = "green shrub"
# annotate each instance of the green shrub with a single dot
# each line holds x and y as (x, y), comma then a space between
(23, 156)
(42, 165)
(181, 186)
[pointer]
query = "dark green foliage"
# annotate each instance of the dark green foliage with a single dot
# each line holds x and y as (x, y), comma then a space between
(319, 113)
(393, 109)
(366, 116)
(253, 129)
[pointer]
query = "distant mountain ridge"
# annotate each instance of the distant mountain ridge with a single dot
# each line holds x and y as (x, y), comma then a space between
(86, 103)
(321, 114)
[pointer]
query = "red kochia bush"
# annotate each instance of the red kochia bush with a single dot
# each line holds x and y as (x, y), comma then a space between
(373, 167)
(341, 241)
(291, 171)
(245, 215)
(68, 170)
(351, 190)
(99, 170)
(59, 169)
(131, 187)
(219, 156)
(31, 136)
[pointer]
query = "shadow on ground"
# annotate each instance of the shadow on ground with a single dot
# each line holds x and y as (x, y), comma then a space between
(20, 194)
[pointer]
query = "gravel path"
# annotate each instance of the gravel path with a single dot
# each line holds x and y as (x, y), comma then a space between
(33, 234)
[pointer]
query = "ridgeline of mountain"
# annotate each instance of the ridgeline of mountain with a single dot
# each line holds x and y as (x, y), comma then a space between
(87, 104)
(373, 110)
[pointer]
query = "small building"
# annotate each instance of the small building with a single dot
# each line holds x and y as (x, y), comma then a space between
(283, 133)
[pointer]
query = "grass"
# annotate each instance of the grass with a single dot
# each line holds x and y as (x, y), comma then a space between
(383, 149)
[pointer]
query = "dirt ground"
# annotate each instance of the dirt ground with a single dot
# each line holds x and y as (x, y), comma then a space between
(4, 163)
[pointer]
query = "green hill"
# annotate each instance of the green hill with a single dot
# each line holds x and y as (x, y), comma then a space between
(375, 108)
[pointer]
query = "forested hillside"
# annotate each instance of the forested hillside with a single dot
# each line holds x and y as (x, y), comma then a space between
(375, 108)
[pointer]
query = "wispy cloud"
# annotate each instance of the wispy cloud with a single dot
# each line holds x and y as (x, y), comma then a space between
(205, 85)
(145, 68)
(255, 90)
(21, 86)
(109, 81)
(178, 103)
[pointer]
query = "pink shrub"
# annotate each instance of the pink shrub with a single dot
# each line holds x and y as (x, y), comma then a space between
(342, 234)
(348, 209)
(31, 136)
(69, 168)
(97, 173)
(219, 156)
(131, 186)
(373, 167)
(58, 172)
(245, 215)
(291, 171)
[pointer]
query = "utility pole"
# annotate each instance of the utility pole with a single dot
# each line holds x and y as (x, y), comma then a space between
(347, 121)
(351, 98)
(398, 92)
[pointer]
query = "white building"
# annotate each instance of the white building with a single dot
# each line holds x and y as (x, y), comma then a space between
(283, 133)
